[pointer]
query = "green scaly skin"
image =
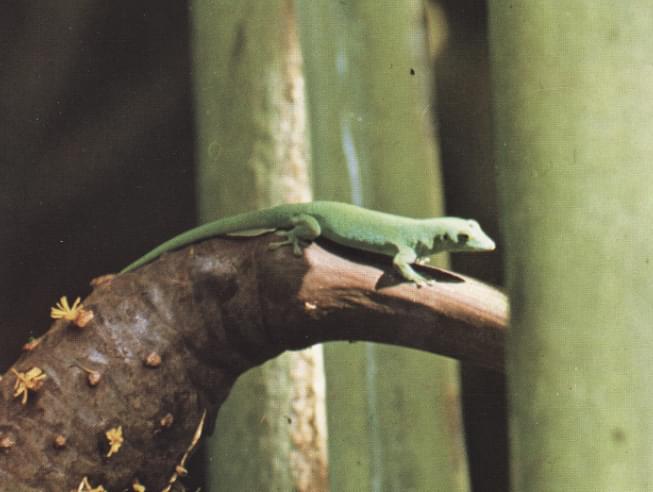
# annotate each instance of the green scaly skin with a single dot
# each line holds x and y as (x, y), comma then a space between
(404, 239)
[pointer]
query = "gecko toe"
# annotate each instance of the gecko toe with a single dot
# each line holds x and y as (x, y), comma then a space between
(279, 244)
(297, 249)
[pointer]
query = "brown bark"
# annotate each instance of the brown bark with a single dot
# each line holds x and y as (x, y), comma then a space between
(210, 312)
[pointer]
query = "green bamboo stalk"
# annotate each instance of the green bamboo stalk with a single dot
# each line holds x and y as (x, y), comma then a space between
(252, 150)
(393, 414)
(574, 106)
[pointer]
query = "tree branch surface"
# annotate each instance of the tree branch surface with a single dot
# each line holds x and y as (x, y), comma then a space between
(166, 343)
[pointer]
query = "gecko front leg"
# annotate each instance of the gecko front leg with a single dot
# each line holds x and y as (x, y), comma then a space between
(402, 261)
(305, 228)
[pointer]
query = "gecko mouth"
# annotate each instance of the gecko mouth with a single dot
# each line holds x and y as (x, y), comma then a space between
(485, 244)
(488, 245)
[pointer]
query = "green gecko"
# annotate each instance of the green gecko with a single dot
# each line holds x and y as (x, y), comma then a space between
(405, 239)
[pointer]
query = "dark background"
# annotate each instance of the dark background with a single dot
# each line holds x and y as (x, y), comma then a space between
(96, 147)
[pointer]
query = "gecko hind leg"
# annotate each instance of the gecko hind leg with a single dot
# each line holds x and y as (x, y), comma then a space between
(305, 228)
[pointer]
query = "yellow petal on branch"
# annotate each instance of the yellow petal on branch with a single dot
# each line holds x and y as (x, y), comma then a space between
(85, 486)
(138, 487)
(77, 314)
(26, 381)
(115, 438)
(63, 309)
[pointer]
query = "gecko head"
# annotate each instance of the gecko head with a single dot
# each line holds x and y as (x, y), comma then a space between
(467, 235)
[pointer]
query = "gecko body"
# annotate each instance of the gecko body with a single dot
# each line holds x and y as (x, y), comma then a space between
(405, 239)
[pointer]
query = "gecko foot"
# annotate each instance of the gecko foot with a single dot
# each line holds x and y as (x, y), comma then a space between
(424, 283)
(291, 241)
(402, 264)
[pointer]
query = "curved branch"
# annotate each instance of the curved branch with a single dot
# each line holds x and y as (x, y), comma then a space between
(167, 342)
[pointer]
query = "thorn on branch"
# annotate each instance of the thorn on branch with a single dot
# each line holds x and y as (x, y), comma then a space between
(153, 360)
(59, 442)
(7, 442)
(93, 377)
(31, 344)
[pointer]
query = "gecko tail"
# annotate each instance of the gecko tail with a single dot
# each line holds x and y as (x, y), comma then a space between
(248, 224)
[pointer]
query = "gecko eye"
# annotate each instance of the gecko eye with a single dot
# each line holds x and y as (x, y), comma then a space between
(463, 238)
